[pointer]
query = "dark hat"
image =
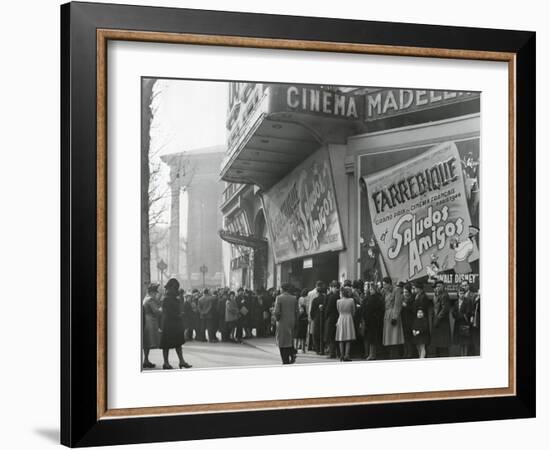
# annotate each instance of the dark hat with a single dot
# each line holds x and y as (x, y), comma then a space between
(153, 287)
(172, 284)
(418, 285)
(400, 284)
(286, 287)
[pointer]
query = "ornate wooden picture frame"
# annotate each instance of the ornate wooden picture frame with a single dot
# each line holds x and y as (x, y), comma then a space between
(86, 418)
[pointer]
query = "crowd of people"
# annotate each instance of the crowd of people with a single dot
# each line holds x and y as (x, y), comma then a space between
(205, 316)
(354, 319)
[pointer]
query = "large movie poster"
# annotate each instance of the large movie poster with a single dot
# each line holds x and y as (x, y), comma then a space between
(302, 212)
(420, 216)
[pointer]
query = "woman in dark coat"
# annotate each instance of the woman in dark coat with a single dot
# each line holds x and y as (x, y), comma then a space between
(173, 332)
(462, 312)
(372, 312)
(301, 329)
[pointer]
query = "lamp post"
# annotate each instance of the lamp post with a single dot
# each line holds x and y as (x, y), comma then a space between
(162, 266)
(203, 270)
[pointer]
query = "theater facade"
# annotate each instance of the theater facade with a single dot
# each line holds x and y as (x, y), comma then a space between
(330, 182)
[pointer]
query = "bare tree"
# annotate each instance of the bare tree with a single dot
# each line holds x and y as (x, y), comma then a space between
(158, 188)
(146, 119)
(156, 192)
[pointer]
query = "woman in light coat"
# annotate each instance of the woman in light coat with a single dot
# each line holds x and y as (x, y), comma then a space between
(392, 335)
(151, 323)
(345, 327)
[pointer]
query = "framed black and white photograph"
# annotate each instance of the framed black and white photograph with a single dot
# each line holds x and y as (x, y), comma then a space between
(287, 226)
(277, 224)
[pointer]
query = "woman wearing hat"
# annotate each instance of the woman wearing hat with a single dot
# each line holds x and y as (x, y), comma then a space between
(151, 323)
(173, 333)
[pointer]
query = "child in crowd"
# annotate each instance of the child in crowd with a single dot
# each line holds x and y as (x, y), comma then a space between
(421, 332)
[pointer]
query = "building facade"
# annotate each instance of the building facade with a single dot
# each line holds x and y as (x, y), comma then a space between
(307, 168)
(195, 256)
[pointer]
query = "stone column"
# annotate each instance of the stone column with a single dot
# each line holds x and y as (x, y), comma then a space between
(174, 248)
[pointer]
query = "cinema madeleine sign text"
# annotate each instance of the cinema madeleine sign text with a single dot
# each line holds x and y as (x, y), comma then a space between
(392, 102)
(322, 101)
(375, 105)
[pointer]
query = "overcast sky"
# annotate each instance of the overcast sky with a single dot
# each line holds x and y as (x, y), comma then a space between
(190, 115)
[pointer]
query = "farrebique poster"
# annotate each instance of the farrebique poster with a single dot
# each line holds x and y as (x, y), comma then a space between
(302, 211)
(419, 213)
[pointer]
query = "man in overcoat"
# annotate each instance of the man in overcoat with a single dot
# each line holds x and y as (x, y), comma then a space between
(317, 315)
(441, 327)
(286, 314)
(207, 311)
(311, 295)
(331, 317)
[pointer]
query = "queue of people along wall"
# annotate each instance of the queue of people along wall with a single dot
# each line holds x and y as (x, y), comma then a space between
(335, 183)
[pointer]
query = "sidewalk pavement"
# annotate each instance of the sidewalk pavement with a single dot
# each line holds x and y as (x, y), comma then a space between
(251, 352)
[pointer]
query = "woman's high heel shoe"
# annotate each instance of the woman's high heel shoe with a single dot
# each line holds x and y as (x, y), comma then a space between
(167, 366)
(185, 365)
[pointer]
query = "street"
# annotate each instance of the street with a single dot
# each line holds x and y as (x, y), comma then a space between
(252, 352)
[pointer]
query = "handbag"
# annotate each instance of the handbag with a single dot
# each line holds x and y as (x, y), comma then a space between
(464, 330)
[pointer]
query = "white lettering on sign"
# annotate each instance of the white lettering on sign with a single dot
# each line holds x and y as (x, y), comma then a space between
(390, 102)
(324, 102)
